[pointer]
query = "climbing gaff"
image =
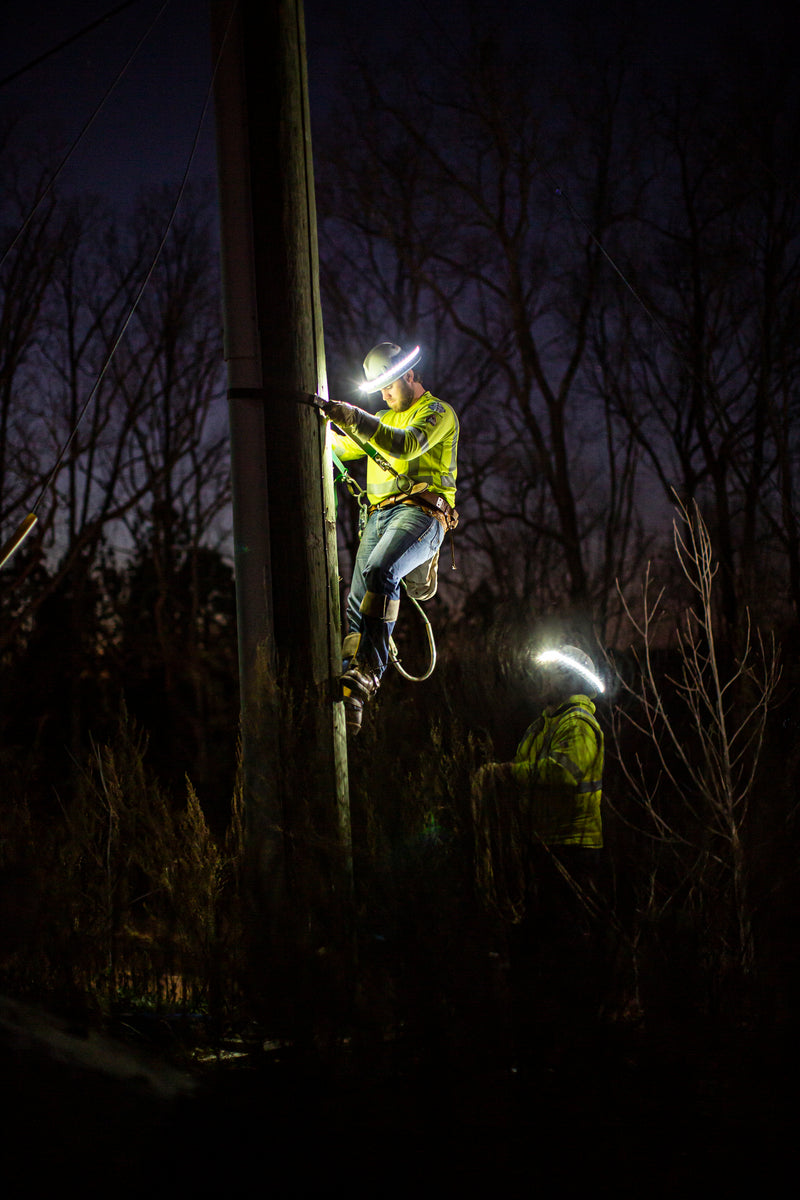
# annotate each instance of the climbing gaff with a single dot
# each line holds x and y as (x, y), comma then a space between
(17, 538)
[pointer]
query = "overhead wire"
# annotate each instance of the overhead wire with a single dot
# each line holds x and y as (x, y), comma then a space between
(25, 527)
(86, 126)
(62, 45)
(110, 356)
(559, 191)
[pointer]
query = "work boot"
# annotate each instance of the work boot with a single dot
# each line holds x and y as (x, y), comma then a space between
(358, 684)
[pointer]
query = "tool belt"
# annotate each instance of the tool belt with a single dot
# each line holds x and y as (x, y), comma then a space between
(431, 501)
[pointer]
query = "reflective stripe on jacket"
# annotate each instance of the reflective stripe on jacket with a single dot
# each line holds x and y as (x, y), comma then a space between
(421, 442)
(559, 765)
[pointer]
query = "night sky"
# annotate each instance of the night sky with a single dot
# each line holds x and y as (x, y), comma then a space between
(144, 133)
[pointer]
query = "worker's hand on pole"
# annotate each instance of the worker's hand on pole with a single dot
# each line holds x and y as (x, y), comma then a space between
(344, 415)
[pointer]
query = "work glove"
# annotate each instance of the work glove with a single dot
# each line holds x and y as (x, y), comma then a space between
(345, 415)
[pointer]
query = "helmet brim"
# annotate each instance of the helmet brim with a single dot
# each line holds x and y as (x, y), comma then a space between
(572, 663)
(395, 372)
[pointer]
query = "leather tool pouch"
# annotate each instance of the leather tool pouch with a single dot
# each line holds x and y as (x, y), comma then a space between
(422, 582)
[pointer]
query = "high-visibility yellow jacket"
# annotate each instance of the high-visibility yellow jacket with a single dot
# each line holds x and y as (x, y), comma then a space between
(421, 442)
(559, 768)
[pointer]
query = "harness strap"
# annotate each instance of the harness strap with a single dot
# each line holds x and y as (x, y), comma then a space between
(441, 509)
(438, 506)
(379, 606)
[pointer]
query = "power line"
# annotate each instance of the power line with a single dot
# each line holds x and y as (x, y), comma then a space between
(66, 42)
(141, 291)
(87, 125)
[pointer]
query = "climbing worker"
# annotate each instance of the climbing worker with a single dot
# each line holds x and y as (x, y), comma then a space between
(539, 832)
(410, 506)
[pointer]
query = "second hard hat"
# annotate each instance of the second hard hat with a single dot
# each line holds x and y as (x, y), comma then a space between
(571, 660)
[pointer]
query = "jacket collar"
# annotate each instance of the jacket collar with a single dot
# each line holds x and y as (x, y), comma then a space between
(579, 700)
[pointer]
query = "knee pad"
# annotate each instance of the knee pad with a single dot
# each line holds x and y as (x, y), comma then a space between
(383, 608)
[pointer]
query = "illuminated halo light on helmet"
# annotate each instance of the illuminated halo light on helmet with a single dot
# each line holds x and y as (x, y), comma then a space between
(398, 368)
(573, 664)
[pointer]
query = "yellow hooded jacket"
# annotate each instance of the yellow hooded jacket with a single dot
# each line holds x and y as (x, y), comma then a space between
(559, 767)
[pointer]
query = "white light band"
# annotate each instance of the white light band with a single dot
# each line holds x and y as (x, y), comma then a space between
(395, 371)
(551, 656)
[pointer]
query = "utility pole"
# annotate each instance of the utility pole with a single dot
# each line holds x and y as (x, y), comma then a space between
(293, 734)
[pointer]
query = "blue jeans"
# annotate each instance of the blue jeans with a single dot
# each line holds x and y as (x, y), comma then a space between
(394, 541)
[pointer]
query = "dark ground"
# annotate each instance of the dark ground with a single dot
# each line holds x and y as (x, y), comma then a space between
(635, 1110)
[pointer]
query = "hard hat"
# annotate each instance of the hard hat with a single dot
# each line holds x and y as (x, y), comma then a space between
(385, 363)
(571, 660)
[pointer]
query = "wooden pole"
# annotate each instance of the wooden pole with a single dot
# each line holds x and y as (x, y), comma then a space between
(294, 747)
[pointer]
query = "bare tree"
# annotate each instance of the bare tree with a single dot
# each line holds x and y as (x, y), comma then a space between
(31, 245)
(175, 482)
(703, 720)
(700, 359)
(121, 407)
(448, 212)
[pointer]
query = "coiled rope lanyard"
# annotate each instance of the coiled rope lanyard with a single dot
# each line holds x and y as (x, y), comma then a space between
(342, 475)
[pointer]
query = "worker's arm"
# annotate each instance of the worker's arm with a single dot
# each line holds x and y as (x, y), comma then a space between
(554, 775)
(433, 421)
(344, 447)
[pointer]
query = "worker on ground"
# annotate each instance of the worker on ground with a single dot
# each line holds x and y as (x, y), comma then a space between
(558, 767)
(539, 831)
(409, 509)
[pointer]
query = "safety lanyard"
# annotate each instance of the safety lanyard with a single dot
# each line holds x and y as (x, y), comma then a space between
(354, 488)
(404, 484)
